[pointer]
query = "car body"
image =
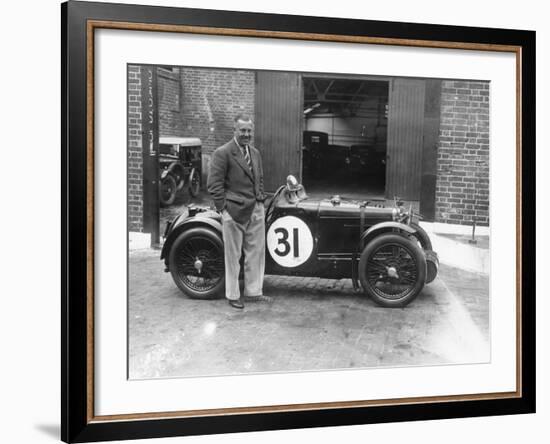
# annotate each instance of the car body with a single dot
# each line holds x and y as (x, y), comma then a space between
(382, 249)
(180, 164)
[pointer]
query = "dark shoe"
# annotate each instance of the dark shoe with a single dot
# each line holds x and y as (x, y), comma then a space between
(236, 303)
(261, 298)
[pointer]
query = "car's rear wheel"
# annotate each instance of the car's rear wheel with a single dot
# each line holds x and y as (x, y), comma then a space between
(392, 270)
(196, 263)
(167, 190)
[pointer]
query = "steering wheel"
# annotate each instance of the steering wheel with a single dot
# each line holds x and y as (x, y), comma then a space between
(270, 207)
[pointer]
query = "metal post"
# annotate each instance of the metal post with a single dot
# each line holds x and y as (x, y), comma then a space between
(150, 143)
(479, 164)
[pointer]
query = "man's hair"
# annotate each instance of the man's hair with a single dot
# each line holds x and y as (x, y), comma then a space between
(242, 118)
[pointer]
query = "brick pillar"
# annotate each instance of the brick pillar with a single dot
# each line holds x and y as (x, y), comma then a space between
(135, 167)
(462, 190)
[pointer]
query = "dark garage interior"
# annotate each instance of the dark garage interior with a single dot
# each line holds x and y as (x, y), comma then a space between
(345, 136)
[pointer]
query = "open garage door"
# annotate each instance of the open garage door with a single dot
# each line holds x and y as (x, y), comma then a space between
(345, 132)
(278, 132)
(405, 138)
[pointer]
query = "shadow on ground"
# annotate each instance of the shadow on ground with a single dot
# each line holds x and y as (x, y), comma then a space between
(51, 430)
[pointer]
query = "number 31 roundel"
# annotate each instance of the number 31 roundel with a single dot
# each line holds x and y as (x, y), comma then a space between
(289, 241)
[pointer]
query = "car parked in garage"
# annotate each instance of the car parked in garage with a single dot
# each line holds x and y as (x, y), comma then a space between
(367, 160)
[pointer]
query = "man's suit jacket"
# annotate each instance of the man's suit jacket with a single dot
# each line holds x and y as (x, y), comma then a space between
(231, 183)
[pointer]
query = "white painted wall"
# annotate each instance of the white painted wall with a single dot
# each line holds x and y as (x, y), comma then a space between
(350, 130)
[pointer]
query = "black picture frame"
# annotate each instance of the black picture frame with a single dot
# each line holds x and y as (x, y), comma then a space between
(78, 423)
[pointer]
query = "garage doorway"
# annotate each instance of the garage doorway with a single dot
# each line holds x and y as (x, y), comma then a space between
(345, 128)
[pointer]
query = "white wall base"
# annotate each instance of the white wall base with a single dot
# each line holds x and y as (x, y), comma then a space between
(464, 256)
(139, 241)
(458, 254)
(442, 228)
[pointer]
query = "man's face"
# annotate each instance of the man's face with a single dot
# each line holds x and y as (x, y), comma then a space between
(243, 132)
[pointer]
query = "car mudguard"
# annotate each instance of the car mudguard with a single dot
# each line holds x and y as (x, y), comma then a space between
(422, 236)
(176, 168)
(383, 227)
(432, 262)
(200, 220)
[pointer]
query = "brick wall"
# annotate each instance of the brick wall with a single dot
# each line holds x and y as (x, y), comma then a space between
(193, 102)
(135, 164)
(198, 102)
(462, 189)
(169, 90)
(210, 100)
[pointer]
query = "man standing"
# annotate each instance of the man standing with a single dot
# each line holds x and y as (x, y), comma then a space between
(236, 184)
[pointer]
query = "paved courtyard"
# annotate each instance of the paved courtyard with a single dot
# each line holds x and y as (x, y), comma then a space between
(312, 324)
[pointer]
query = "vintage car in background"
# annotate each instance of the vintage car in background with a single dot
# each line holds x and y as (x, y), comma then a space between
(383, 250)
(319, 158)
(367, 160)
(314, 146)
(180, 160)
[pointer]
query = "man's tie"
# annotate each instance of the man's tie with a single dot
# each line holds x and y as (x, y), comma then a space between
(247, 157)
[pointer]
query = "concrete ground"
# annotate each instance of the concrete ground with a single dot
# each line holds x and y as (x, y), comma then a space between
(312, 324)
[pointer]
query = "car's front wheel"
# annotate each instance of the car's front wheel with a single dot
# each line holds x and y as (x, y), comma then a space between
(392, 270)
(168, 190)
(196, 263)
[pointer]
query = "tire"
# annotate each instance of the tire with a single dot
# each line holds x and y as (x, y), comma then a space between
(392, 270)
(167, 190)
(194, 183)
(196, 262)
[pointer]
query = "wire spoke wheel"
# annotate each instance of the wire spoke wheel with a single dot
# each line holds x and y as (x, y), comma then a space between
(197, 263)
(392, 270)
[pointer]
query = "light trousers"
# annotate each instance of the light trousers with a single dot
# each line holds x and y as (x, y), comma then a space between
(249, 239)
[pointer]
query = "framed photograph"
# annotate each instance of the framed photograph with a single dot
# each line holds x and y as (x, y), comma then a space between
(275, 221)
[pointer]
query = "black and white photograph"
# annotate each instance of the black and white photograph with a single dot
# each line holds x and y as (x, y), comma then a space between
(265, 222)
(283, 221)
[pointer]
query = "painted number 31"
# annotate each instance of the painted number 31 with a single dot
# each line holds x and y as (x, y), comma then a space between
(289, 241)
(283, 242)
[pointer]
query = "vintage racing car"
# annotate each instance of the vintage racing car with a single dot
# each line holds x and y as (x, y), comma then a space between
(382, 249)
